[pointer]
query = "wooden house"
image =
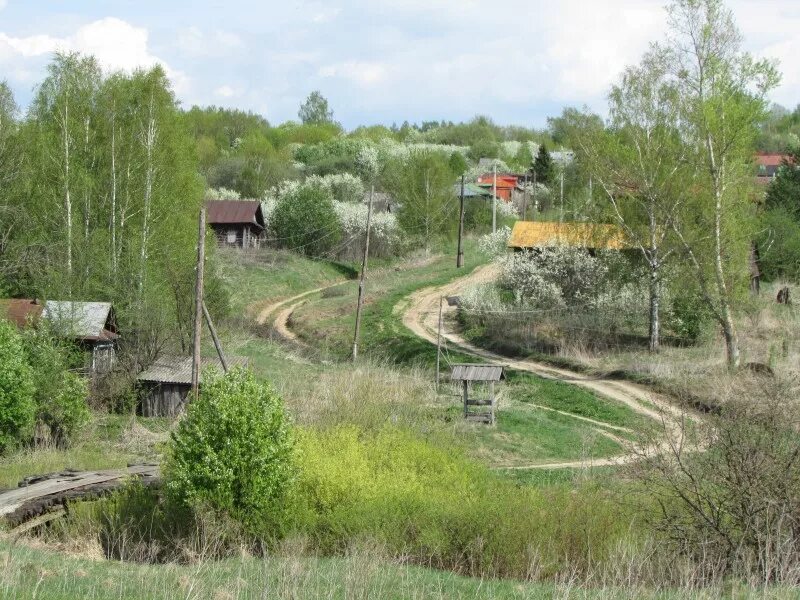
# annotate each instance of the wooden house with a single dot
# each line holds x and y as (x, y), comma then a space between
(535, 235)
(473, 377)
(507, 185)
(236, 223)
(165, 385)
(91, 325)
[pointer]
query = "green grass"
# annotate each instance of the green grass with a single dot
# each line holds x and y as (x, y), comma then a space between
(524, 435)
(528, 388)
(275, 274)
(109, 441)
(31, 572)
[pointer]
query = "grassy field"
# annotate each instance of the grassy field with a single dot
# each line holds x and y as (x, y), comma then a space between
(108, 441)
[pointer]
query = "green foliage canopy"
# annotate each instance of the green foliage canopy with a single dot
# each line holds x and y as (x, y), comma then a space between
(233, 451)
(17, 408)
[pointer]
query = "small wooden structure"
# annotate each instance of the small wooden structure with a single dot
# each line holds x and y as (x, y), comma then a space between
(470, 374)
(165, 385)
(91, 325)
(236, 223)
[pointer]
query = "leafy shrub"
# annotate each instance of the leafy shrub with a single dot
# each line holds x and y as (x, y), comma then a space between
(688, 316)
(17, 409)
(306, 220)
(232, 451)
(429, 503)
(495, 244)
(60, 395)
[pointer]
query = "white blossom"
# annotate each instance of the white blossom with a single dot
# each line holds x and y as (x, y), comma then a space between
(222, 194)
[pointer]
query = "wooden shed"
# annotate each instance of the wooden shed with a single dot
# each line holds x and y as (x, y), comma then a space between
(165, 385)
(91, 325)
(533, 235)
(475, 376)
(236, 223)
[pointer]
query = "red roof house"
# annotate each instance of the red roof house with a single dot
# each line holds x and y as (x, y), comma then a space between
(237, 223)
(506, 184)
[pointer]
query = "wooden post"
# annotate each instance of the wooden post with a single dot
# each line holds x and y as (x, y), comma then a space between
(439, 343)
(494, 199)
(561, 207)
(460, 254)
(535, 201)
(198, 302)
(360, 300)
(215, 338)
(466, 400)
(525, 199)
(491, 402)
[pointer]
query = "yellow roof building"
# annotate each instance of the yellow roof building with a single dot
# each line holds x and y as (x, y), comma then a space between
(594, 236)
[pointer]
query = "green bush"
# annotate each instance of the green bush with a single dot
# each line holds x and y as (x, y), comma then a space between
(689, 316)
(233, 451)
(17, 408)
(306, 220)
(60, 395)
(429, 503)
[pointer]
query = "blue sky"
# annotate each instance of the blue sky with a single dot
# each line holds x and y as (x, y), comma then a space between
(378, 61)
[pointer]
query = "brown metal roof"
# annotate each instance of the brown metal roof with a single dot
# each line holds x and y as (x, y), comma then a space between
(471, 372)
(235, 212)
(21, 311)
(178, 369)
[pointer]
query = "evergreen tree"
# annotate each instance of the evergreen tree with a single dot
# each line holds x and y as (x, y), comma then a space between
(543, 166)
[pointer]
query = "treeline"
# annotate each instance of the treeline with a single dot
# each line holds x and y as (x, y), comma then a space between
(99, 198)
(780, 130)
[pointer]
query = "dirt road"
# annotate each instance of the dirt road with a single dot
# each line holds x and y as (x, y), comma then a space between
(420, 315)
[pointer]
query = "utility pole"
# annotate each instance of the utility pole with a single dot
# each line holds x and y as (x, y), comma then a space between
(360, 301)
(198, 302)
(215, 338)
(561, 208)
(494, 199)
(460, 254)
(439, 342)
(525, 199)
(535, 201)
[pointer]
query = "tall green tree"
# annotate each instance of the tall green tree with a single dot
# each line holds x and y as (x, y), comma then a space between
(422, 184)
(722, 91)
(315, 110)
(639, 162)
(543, 167)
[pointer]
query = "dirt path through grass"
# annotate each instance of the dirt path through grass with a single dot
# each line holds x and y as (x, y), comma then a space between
(420, 315)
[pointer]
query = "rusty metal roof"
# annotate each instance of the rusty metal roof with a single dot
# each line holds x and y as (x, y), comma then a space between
(235, 212)
(473, 372)
(81, 320)
(21, 311)
(543, 234)
(178, 369)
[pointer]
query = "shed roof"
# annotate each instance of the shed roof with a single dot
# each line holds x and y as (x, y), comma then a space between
(20, 311)
(772, 160)
(178, 369)
(92, 321)
(235, 212)
(543, 234)
(472, 191)
(473, 372)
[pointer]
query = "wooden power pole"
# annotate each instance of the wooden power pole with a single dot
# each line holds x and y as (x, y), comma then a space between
(439, 342)
(525, 199)
(460, 254)
(198, 302)
(360, 301)
(215, 338)
(494, 199)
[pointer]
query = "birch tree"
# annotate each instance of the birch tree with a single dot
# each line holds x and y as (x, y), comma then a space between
(722, 91)
(640, 164)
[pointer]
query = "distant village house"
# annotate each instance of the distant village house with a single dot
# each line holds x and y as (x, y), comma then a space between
(166, 384)
(236, 223)
(91, 325)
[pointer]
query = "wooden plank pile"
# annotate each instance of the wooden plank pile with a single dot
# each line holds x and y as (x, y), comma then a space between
(42, 495)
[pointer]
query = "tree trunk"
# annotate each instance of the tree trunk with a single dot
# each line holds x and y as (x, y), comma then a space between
(655, 300)
(67, 199)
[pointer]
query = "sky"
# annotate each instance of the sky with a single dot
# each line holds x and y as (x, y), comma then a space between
(377, 61)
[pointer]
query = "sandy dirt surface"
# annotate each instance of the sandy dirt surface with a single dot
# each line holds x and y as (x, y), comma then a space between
(420, 315)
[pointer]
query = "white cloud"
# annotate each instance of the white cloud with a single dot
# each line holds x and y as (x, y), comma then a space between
(194, 42)
(225, 91)
(360, 72)
(3, 4)
(116, 44)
